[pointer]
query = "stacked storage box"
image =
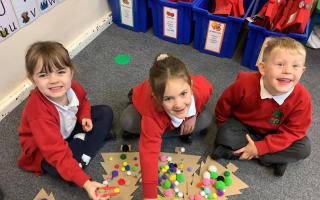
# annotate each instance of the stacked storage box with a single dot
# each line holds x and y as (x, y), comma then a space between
(131, 14)
(214, 34)
(172, 21)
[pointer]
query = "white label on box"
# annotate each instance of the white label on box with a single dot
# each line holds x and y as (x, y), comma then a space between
(170, 22)
(259, 60)
(126, 9)
(215, 35)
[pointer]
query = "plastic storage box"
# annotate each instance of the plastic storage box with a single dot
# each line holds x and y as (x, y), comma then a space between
(256, 37)
(131, 14)
(214, 34)
(172, 21)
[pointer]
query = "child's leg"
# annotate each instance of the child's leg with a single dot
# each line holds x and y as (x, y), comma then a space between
(300, 149)
(204, 120)
(230, 137)
(130, 120)
(232, 134)
(102, 117)
(84, 148)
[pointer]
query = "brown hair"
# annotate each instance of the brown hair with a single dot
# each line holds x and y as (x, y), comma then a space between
(50, 54)
(283, 43)
(166, 66)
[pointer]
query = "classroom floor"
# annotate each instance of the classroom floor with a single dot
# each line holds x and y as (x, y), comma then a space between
(108, 83)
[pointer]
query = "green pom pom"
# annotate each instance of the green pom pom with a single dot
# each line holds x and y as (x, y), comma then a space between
(220, 185)
(134, 168)
(227, 173)
(228, 180)
(214, 175)
(123, 156)
(210, 196)
(180, 178)
(166, 184)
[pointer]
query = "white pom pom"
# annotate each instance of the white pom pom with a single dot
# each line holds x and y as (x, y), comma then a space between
(183, 149)
(206, 174)
(212, 168)
(180, 194)
(169, 158)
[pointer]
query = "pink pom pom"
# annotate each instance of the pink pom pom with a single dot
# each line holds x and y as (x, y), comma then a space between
(168, 193)
(163, 158)
(206, 181)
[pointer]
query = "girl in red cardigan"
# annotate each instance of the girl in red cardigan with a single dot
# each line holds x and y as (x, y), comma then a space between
(60, 132)
(169, 99)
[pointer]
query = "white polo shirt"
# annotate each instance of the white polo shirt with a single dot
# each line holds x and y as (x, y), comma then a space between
(67, 114)
(264, 94)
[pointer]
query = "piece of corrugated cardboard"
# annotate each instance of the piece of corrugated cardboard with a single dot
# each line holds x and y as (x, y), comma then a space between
(43, 195)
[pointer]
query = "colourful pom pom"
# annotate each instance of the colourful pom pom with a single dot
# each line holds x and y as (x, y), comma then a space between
(163, 158)
(134, 168)
(121, 181)
(228, 180)
(168, 193)
(166, 184)
(227, 173)
(212, 168)
(220, 193)
(214, 175)
(123, 156)
(206, 181)
(220, 185)
(180, 178)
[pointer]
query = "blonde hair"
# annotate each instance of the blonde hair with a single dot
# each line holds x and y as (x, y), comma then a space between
(283, 43)
(165, 67)
(50, 54)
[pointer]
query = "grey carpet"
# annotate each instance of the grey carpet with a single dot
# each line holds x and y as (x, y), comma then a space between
(108, 83)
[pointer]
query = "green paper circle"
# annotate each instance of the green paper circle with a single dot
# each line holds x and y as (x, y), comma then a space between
(122, 59)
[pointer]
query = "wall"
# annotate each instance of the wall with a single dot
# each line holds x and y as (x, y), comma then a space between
(74, 23)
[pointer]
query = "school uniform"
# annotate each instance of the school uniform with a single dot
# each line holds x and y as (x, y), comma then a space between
(52, 138)
(153, 123)
(278, 124)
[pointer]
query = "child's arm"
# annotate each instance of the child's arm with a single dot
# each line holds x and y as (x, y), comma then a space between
(249, 151)
(91, 187)
(84, 109)
(188, 125)
(56, 151)
(230, 98)
(149, 150)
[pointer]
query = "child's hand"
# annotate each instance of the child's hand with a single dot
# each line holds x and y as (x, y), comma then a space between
(87, 124)
(91, 187)
(248, 152)
(188, 126)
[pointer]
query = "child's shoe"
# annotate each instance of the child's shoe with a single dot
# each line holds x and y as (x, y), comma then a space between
(223, 152)
(186, 139)
(279, 169)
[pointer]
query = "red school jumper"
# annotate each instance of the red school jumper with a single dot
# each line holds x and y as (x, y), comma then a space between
(153, 125)
(40, 136)
(290, 121)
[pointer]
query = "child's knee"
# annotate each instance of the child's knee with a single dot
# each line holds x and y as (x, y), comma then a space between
(107, 111)
(305, 150)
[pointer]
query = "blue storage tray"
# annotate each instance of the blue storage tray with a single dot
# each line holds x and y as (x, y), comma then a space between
(184, 20)
(229, 37)
(141, 15)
